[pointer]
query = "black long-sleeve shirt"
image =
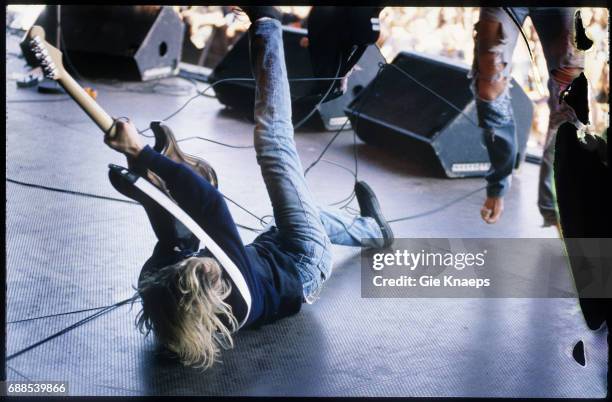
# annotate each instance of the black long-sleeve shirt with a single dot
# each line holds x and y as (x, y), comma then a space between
(269, 272)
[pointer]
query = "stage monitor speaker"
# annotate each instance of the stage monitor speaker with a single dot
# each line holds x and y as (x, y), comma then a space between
(121, 42)
(240, 95)
(396, 111)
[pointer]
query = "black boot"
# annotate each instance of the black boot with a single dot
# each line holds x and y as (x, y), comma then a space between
(369, 207)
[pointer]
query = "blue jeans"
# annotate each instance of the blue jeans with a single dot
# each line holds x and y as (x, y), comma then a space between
(305, 229)
(555, 28)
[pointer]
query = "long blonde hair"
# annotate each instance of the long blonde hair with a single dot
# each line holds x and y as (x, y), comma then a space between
(183, 304)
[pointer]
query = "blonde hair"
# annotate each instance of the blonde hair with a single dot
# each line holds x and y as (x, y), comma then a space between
(183, 304)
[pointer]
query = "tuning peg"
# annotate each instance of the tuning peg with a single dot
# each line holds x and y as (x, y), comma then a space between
(36, 42)
(41, 53)
(36, 45)
(50, 72)
(49, 65)
(46, 61)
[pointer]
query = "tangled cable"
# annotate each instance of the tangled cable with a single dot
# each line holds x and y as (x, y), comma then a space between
(345, 202)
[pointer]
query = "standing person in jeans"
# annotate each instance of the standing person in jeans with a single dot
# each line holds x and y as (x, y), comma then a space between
(496, 37)
(189, 302)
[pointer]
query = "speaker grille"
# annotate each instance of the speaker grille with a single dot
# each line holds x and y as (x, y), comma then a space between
(400, 101)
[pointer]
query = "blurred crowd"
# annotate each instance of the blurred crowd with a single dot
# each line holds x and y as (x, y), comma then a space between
(448, 31)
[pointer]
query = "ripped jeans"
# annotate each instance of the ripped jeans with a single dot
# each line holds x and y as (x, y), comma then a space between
(493, 62)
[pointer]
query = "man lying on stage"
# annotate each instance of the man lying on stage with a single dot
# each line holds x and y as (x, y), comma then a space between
(188, 301)
(496, 38)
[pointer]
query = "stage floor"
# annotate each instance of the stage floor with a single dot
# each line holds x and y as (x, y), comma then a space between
(66, 253)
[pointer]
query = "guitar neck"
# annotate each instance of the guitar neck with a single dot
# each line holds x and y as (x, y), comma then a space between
(87, 103)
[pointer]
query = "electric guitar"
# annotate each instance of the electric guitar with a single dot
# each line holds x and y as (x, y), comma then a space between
(50, 59)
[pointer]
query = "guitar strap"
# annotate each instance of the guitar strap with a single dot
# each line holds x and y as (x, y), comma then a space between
(162, 199)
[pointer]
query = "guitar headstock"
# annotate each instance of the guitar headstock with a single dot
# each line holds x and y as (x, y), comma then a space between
(49, 57)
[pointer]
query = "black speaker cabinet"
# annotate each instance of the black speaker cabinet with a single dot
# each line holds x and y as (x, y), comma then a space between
(122, 42)
(240, 95)
(397, 112)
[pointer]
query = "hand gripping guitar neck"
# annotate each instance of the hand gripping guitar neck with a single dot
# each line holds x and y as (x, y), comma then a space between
(50, 59)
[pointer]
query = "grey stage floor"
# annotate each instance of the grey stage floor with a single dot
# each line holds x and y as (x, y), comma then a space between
(67, 253)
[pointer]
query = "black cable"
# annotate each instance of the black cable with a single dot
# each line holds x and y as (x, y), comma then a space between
(358, 110)
(347, 200)
(261, 221)
(340, 166)
(316, 107)
(60, 314)
(138, 88)
(336, 134)
(326, 148)
(170, 115)
(106, 309)
(216, 142)
(195, 84)
(19, 373)
(70, 328)
(341, 128)
(61, 190)
(147, 88)
(197, 95)
(350, 198)
(442, 98)
(438, 209)
(212, 85)
(103, 197)
(250, 229)
(203, 92)
(229, 146)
